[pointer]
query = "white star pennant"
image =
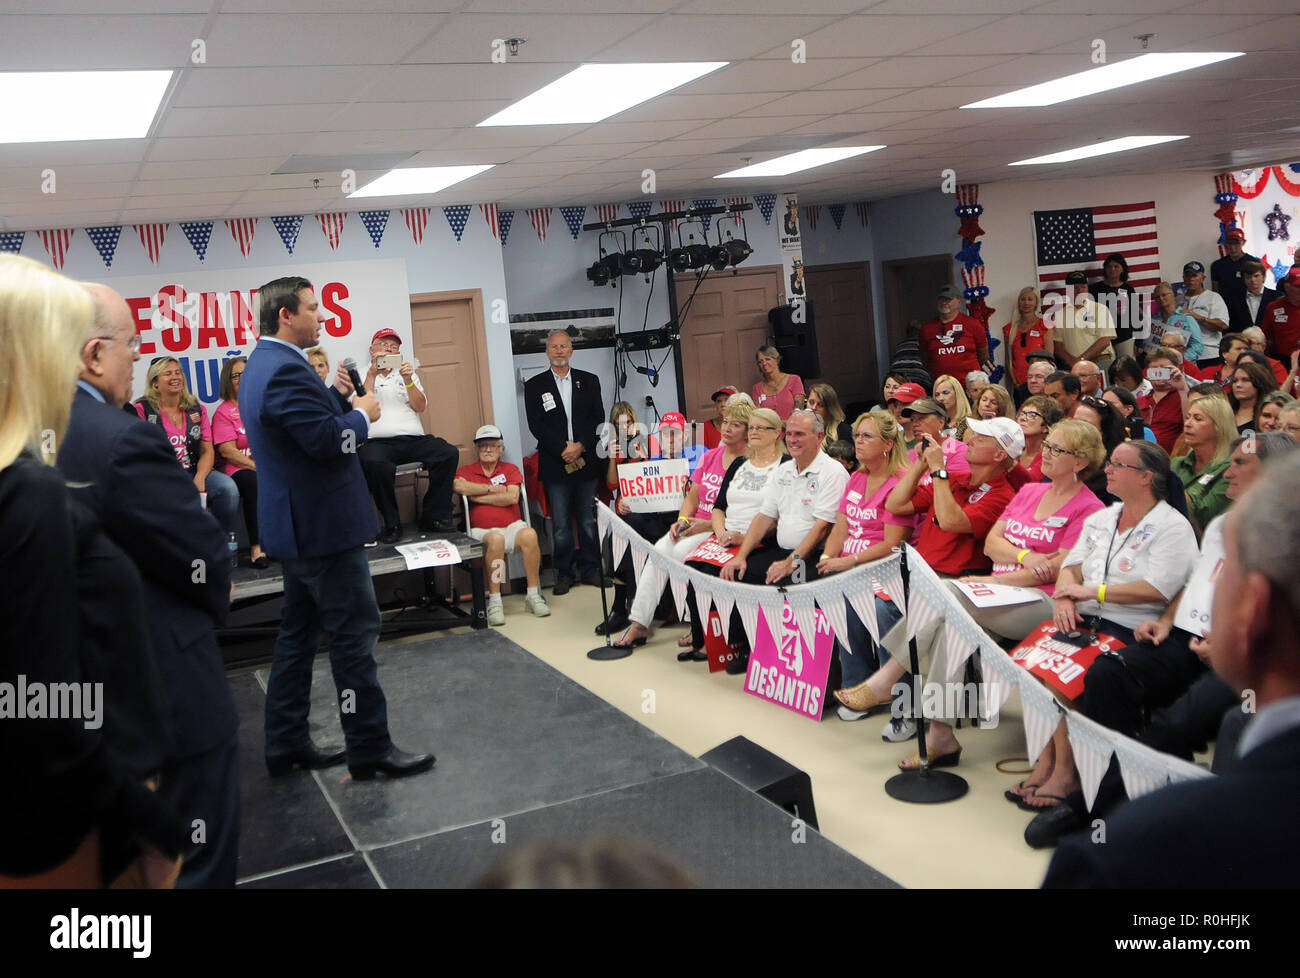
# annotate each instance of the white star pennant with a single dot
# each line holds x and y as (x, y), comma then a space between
(748, 611)
(198, 234)
(602, 523)
(1140, 776)
(864, 603)
(837, 617)
(573, 218)
(1092, 753)
(375, 222)
(1041, 717)
(12, 241)
(724, 602)
(639, 208)
(457, 216)
(288, 226)
(766, 204)
(805, 616)
(620, 548)
(638, 561)
(679, 586)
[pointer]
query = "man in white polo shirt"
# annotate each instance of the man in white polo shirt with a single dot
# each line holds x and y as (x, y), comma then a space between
(398, 437)
(801, 503)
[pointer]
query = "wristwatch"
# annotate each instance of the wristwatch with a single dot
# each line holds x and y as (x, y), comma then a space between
(941, 474)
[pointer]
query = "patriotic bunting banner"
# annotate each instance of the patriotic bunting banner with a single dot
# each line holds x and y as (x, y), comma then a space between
(705, 202)
(836, 212)
(105, 241)
(766, 204)
(607, 212)
(736, 202)
(540, 219)
(639, 208)
(331, 226)
(506, 218)
(417, 219)
(861, 208)
(288, 227)
(573, 218)
(811, 214)
(241, 229)
(152, 236)
(12, 241)
(56, 241)
(490, 215)
(457, 216)
(198, 234)
(375, 222)
(1143, 768)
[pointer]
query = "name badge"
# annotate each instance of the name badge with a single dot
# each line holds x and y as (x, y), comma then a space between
(1206, 479)
(1055, 521)
(498, 480)
(548, 401)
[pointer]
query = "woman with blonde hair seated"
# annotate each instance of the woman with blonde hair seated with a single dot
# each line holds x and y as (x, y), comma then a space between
(994, 402)
(825, 403)
(168, 403)
(77, 812)
(1208, 431)
(949, 392)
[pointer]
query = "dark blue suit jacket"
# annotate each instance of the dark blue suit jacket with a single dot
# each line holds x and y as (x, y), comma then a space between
(148, 504)
(312, 499)
(1234, 830)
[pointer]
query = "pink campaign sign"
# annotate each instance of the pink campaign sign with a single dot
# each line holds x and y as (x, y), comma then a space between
(785, 671)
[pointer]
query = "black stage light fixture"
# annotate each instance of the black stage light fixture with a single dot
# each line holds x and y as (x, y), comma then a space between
(699, 255)
(605, 268)
(679, 260)
(734, 250)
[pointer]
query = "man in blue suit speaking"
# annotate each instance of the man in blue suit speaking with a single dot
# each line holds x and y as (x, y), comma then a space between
(316, 516)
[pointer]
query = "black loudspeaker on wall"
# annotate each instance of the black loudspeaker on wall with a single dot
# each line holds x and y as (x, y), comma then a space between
(771, 777)
(797, 341)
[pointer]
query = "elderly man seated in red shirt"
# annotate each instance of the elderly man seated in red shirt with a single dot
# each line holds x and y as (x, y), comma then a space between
(492, 488)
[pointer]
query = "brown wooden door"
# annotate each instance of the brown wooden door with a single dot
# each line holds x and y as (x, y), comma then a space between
(725, 325)
(846, 337)
(911, 285)
(450, 345)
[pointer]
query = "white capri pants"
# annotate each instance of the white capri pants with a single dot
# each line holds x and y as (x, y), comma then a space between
(647, 595)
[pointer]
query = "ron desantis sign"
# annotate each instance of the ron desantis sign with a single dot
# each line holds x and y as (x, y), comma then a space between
(784, 670)
(207, 316)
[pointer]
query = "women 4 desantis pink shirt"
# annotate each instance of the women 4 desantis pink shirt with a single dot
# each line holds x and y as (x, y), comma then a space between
(1056, 531)
(227, 426)
(866, 516)
(177, 435)
(708, 475)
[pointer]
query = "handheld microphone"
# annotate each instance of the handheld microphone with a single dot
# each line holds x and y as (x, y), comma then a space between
(350, 366)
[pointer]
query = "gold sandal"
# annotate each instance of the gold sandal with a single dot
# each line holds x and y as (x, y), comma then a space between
(860, 698)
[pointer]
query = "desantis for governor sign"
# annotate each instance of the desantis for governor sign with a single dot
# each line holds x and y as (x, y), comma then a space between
(655, 486)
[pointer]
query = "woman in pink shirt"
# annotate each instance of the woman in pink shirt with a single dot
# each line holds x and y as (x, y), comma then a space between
(865, 531)
(693, 524)
(780, 392)
(168, 403)
(236, 457)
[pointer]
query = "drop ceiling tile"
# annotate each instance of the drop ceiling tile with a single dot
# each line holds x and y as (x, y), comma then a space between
(870, 35)
(550, 38)
(331, 39)
(76, 43)
(243, 120)
(734, 37)
(216, 85)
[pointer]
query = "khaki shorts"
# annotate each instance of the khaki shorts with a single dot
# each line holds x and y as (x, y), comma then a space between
(509, 532)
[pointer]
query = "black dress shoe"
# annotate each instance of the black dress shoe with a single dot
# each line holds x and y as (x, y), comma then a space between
(616, 622)
(1052, 825)
(309, 757)
(692, 655)
(390, 535)
(739, 665)
(562, 586)
(261, 563)
(440, 526)
(396, 764)
(595, 580)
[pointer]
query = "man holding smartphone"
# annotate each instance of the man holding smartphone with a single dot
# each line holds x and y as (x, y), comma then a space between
(398, 437)
(1165, 407)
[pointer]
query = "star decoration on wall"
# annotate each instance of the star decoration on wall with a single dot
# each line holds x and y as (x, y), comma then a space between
(1277, 224)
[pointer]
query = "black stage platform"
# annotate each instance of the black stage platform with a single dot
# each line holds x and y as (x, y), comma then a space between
(516, 742)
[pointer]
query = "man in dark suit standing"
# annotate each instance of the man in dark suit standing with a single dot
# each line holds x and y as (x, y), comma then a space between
(1237, 829)
(316, 517)
(1246, 304)
(565, 413)
(149, 506)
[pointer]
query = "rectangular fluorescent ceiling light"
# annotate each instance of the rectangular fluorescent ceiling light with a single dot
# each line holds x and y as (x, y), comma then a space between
(1103, 79)
(805, 159)
(61, 106)
(594, 92)
(1098, 149)
(418, 180)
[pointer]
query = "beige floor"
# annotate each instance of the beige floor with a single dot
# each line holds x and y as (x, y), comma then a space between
(976, 841)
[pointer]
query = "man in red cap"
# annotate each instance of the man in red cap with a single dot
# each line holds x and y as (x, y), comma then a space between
(1281, 323)
(398, 437)
(904, 395)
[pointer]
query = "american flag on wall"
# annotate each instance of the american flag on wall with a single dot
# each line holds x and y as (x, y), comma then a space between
(417, 219)
(1082, 237)
(151, 236)
(493, 218)
(540, 219)
(241, 229)
(332, 226)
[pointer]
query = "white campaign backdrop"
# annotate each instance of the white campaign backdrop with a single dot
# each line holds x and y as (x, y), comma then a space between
(199, 316)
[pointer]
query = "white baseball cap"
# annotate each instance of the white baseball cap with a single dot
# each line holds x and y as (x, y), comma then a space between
(489, 431)
(1006, 431)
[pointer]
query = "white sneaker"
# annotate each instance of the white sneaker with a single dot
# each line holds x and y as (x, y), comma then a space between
(898, 730)
(844, 713)
(537, 605)
(496, 613)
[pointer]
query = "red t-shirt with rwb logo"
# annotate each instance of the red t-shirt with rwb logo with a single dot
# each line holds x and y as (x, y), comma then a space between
(487, 516)
(952, 348)
(953, 553)
(1281, 326)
